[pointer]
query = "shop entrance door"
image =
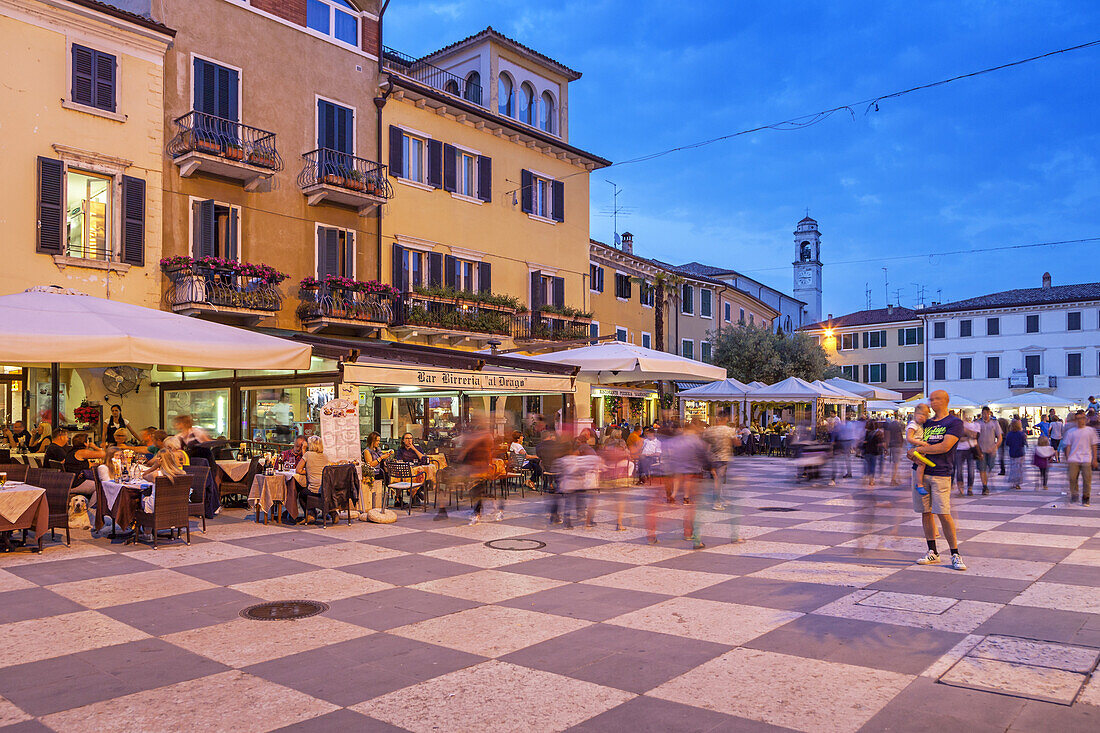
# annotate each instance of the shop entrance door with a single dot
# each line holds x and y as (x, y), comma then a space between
(11, 398)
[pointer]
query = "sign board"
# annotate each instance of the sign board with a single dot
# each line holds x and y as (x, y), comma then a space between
(623, 392)
(1018, 379)
(401, 375)
(1042, 381)
(340, 430)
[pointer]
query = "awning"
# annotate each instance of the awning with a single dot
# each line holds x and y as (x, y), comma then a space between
(616, 362)
(725, 390)
(1035, 399)
(599, 390)
(685, 386)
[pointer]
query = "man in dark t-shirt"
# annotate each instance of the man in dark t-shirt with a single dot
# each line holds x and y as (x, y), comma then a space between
(942, 433)
(56, 449)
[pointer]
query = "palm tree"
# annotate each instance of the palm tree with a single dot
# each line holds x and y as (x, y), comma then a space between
(666, 290)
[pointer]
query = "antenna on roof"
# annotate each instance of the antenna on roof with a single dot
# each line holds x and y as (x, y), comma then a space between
(867, 286)
(920, 294)
(615, 211)
(897, 296)
(886, 277)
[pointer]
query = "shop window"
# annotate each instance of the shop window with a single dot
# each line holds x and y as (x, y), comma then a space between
(280, 414)
(208, 408)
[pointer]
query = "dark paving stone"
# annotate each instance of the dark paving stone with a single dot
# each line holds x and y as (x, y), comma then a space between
(28, 603)
(408, 569)
(340, 721)
(767, 519)
(1012, 551)
(245, 569)
(713, 562)
(628, 659)
(1041, 623)
(80, 568)
(927, 706)
(855, 555)
(1045, 716)
(368, 667)
(881, 646)
(27, 726)
(769, 593)
(947, 584)
(388, 609)
(284, 541)
(566, 567)
(162, 616)
(1088, 575)
(1053, 528)
(590, 602)
(651, 715)
(79, 679)
(808, 537)
(419, 541)
(560, 542)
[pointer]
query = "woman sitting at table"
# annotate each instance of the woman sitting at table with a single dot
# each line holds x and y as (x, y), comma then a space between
(409, 453)
(121, 443)
(518, 453)
(169, 446)
(83, 451)
(40, 438)
(310, 468)
(165, 463)
(373, 455)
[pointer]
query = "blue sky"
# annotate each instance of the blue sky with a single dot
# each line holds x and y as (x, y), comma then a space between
(1005, 158)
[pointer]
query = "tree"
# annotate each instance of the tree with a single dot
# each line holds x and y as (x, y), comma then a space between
(666, 291)
(751, 353)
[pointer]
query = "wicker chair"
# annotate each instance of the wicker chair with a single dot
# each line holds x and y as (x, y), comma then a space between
(334, 479)
(196, 503)
(57, 485)
(240, 489)
(401, 480)
(15, 471)
(170, 509)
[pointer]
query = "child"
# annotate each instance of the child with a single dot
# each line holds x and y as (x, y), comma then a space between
(914, 436)
(1043, 455)
(651, 454)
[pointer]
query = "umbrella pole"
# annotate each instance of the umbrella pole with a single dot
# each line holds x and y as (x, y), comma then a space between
(55, 389)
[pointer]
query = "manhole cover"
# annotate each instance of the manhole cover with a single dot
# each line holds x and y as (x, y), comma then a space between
(279, 610)
(778, 509)
(515, 544)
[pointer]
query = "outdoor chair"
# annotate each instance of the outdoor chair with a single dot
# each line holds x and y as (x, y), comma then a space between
(515, 471)
(240, 489)
(15, 471)
(401, 480)
(200, 455)
(339, 484)
(55, 465)
(196, 502)
(57, 485)
(170, 507)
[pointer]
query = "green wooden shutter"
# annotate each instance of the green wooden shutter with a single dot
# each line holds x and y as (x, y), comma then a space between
(51, 186)
(133, 221)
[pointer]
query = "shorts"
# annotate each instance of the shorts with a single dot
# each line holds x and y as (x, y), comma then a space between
(938, 498)
(985, 463)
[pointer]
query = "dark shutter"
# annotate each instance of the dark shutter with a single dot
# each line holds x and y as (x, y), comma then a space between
(450, 156)
(484, 277)
(525, 182)
(83, 71)
(397, 152)
(133, 221)
(920, 371)
(207, 226)
(435, 269)
(536, 289)
(866, 373)
(920, 334)
(484, 178)
(322, 252)
(901, 337)
(450, 272)
(901, 371)
(229, 250)
(330, 245)
(204, 81)
(349, 254)
(559, 292)
(345, 130)
(558, 210)
(326, 124)
(400, 274)
(600, 273)
(227, 93)
(866, 339)
(435, 163)
(51, 177)
(105, 81)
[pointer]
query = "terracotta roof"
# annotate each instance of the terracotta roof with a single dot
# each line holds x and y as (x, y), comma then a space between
(698, 268)
(490, 32)
(135, 18)
(867, 318)
(681, 270)
(808, 219)
(1022, 297)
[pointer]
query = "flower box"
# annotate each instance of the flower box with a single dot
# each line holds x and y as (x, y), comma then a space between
(262, 158)
(234, 152)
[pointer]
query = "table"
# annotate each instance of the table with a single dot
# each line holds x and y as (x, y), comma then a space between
(120, 501)
(24, 507)
(235, 470)
(274, 489)
(33, 460)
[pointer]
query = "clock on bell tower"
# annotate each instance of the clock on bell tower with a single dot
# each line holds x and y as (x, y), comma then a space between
(807, 267)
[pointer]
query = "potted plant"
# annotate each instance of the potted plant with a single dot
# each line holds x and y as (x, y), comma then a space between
(355, 180)
(262, 157)
(371, 186)
(234, 150)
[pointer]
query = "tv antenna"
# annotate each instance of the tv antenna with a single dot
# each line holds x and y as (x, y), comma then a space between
(920, 294)
(897, 297)
(615, 211)
(886, 279)
(867, 287)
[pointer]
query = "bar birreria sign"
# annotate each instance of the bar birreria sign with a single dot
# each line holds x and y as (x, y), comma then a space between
(460, 380)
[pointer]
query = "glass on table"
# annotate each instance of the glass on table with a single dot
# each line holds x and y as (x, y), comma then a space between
(3, 477)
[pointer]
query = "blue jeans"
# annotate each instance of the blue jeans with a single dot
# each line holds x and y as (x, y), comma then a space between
(964, 458)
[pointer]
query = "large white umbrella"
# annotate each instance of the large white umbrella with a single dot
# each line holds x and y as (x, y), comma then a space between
(838, 395)
(616, 362)
(1034, 399)
(725, 390)
(869, 391)
(50, 325)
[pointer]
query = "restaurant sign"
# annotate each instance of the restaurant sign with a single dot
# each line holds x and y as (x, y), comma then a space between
(460, 380)
(623, 392)
(1018, 379)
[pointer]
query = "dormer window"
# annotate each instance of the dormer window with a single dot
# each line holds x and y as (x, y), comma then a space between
(506, 101)
(548, 118)
(336, 18)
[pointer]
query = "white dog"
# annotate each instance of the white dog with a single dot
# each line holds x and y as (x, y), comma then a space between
(78, 512)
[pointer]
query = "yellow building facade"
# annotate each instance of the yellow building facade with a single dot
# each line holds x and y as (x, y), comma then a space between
(622, 291)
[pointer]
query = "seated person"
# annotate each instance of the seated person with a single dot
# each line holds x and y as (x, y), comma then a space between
(82, 451)
(147, 444)
(169, 445)
(373, 455)
(527, 461)
(409, 453)
(57, 448)
(121, 443)
(39, 439)
(166, 463)
(291, 456)
(17, 436)
(310, 468)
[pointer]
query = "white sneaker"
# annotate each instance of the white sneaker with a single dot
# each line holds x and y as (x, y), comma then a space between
(499, 516)
(475, 519)
(956, 563)
(932, 558)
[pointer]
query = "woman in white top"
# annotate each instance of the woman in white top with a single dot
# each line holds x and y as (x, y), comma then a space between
(1057, 432)
(964, 454)
(519, 454)
(310, 468)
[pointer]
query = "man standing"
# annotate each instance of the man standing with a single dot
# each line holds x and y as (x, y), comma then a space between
(990, 438)
(721, 438)
(942, 433)
(1079, 446)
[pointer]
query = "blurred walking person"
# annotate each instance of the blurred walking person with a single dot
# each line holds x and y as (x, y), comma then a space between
(990, 439)
(1079, 445)
(1016, 441)
(721, 439)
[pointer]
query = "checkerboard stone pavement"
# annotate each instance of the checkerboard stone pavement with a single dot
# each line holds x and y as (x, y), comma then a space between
(818, 621)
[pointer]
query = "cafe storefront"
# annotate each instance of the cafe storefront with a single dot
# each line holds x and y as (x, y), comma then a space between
(615, 404)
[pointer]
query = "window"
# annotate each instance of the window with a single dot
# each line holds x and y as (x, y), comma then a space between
(595, 278)
(939, 330)
(727, 309)
(335, 252)
(466, 173)
(687, 299)
(451, 87)
(1073, 365)
(1032, 364)
(992, 326)
(647, 340)
(706, 306)
(549, 114)
(704, 351)
(335, 137)
(848, 341)
(876, 373)
(416, 265)
(687, 348)
(413, 160)
(506, 96)
(216, 93)
(874, 339)
(93, 76)
(939, 370)
(620, 334)
(911, 336)
(965, 328)
(1073, 321)
(215, 230)
(646, 294)
(966, 368)
(540, 197)
(336, 18)
(752, 319)
(88, 215)
(911, 371)
(465, 275)
(850, 371)
(622, 286)
(472, 92)
(1033, 323)
(594, 332)
(528, 104)
(741, 318)
(993, 367)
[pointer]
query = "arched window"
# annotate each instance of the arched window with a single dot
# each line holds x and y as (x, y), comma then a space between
(506, 96)
(473, 87)
(451, 87)
(549, 113)
(527, 104)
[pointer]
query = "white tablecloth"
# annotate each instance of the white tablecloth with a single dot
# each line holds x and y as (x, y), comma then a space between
(33, 460)
(235, 470)
(112, 488)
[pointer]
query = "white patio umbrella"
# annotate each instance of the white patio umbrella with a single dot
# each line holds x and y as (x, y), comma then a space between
(1035, 399)
(869, 391)
(839, 394)
(884, 406)
(51, 325)
(616, 362)
(725, 390)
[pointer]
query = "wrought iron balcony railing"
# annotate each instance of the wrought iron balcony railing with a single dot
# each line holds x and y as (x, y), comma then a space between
(334, 303)
(451, 315)
(549, 327)
(432, 76)
(220, 288)
(345, 171)
(199, 132)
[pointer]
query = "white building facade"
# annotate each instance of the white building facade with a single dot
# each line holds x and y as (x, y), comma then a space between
(1045, 339)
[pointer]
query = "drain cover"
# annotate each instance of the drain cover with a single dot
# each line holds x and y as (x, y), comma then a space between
(778, 509)
(279, 610)
(515, 544)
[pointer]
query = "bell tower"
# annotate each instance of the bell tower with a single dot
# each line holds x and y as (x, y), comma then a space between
(807, 267)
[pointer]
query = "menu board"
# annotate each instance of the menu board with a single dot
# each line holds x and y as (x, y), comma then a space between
(340, 430)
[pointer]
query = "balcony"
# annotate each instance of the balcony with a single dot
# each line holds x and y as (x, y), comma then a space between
(340, 305)
(432, 76)
(447, 317)
(564, 324)
(340, 178)
(222, 290)
(224, 148)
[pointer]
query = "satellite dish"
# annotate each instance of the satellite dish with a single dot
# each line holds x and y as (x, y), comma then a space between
(119, 380)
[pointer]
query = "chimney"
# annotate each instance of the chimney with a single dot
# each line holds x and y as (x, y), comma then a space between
(1046, 281)
(628, 243)
(830, 318)
(889, 308)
